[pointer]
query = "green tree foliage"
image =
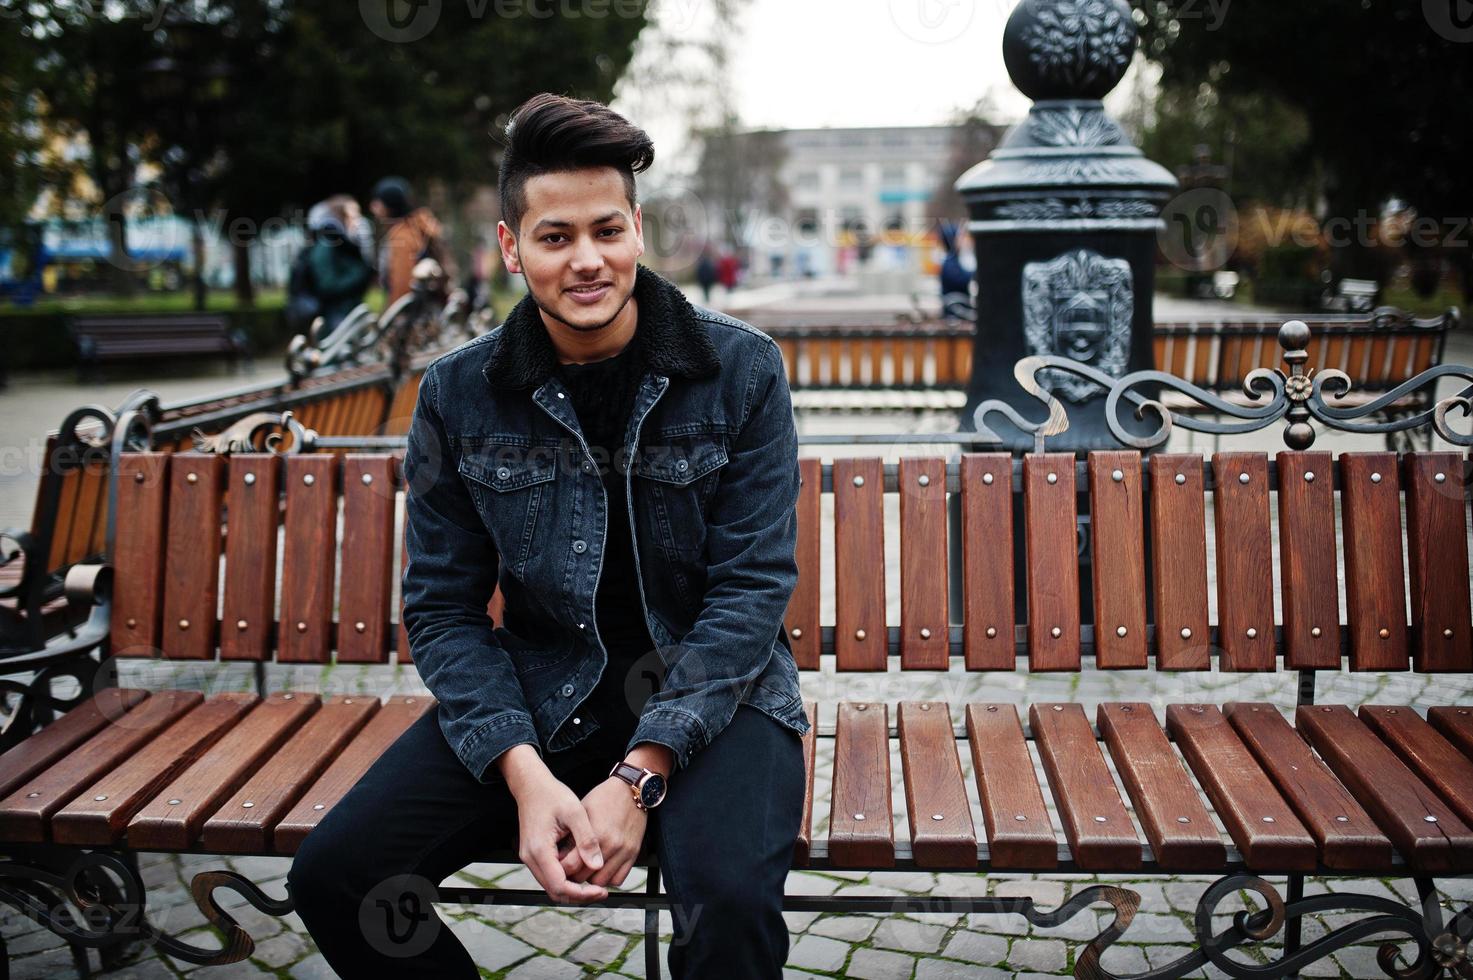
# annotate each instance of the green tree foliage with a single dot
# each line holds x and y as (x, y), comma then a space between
(1380, 85)
(256, 108)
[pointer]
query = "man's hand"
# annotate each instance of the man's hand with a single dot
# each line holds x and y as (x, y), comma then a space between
(619, 826)
(548, 811)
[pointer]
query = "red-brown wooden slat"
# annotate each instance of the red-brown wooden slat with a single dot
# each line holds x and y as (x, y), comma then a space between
(66, 505)
(143, 495)
(1432, 757)
(1241, 793)
(1423, 828)
(1179, 562)
(1375, 597)
(1245, 597)
(90, 503)
(27, 811)
(387, 724)
(1456, 725)
(1117, 536)
(934, 788)
(173, 818)
(98, 815)
(1101, 836)
(307, 560)
(1019, 833)
(861, 640)
(368, 542)
(802, 618)
(987, 560)
(925, 640)
(861, 833)
(253, 507)
(1049, 519)
(1181, 832)
(1437, 553)
(58, 739)
(192, 565)
(1348, 839)
(1307, 560)
(238, 828)
(803, 845)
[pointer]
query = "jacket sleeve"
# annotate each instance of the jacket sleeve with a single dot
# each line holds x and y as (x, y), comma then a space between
(448, 581)
(751, 538)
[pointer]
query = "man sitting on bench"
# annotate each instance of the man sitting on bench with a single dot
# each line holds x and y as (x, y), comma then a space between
(625, 465)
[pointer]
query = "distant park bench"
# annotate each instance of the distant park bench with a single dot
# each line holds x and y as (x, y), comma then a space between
(111, 338)
(846, 361)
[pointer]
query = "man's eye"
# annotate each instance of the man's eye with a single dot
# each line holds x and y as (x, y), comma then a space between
(610, 232)
(549, 239)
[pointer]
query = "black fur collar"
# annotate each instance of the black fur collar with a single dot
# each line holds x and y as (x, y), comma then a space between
(673, 340)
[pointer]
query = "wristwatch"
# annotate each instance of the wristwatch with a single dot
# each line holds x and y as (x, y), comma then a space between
(648, 787)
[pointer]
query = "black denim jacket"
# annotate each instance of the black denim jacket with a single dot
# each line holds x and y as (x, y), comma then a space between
(501, 487)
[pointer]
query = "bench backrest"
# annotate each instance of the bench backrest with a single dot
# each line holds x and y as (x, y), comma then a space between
(1146, 583)
(1376, 352)
(856, 351)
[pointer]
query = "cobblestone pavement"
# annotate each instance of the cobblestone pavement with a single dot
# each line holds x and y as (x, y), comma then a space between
(525, 943)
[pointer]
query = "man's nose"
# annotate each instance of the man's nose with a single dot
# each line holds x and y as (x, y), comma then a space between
(586, 256)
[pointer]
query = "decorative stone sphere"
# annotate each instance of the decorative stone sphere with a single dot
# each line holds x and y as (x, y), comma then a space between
(1068, 49)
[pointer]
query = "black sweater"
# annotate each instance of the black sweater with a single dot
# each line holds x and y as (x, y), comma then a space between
(603, 395)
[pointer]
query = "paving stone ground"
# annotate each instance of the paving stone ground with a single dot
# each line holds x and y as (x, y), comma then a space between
(532, 943)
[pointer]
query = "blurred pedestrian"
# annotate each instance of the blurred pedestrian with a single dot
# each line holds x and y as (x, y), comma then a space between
(706, 273)
(409, 234)
(728, 270)
(330, 276)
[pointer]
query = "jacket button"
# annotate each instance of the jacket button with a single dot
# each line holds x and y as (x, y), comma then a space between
(567, 690)
(577, 721)
(503, 473)
(587, 466)
(682, 465)
(580, 546)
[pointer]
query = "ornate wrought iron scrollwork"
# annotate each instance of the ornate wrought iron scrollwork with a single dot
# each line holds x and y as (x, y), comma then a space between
(270, 428)
(115, 913)
(428, 317)
(1438, 948)
(1297, 396)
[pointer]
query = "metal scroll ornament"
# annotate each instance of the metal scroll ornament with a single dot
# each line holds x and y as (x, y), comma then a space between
(1079, 305)
(1294, 396)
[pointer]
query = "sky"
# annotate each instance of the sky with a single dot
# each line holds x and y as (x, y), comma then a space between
(814, 63)
(802, 63)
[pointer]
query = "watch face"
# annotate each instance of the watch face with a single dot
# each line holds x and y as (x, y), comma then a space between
(653, 790)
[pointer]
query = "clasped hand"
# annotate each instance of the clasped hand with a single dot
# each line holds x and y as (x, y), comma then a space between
(577, 848)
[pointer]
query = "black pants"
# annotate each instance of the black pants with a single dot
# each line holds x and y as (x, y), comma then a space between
(363, 879)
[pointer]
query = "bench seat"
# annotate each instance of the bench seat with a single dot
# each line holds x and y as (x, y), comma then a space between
(234, 773)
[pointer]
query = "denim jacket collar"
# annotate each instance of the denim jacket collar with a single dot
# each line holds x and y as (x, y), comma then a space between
(674, 342)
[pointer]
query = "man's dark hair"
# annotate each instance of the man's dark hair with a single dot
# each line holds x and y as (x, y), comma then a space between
(553, 134)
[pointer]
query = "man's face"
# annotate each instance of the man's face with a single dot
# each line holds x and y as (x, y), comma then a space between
(578, 246)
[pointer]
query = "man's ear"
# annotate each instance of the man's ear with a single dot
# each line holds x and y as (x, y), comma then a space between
(508, 242)
(639, 229)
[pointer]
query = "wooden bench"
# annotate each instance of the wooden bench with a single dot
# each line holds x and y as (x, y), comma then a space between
(851, 362)
(71, 522)
(113, 338)
(1329, 790)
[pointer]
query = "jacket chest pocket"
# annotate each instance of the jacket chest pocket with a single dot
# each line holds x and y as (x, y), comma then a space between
(512, 489)
(678, 477)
